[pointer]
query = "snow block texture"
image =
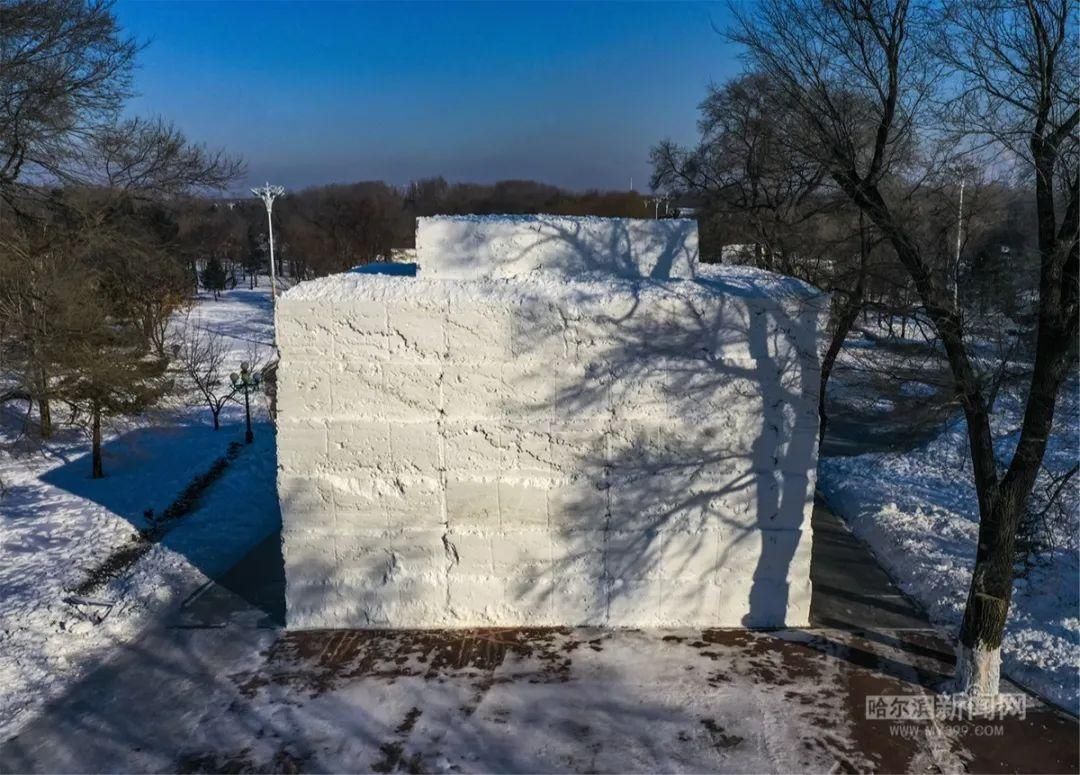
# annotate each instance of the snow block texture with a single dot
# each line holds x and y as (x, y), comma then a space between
(473, 246)
(540, 451)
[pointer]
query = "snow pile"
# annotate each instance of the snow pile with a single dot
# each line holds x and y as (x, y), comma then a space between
(918, 512)
(473, 246)
(547, 450)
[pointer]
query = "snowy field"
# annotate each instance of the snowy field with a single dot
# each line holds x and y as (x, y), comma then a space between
(57, 524)
(917, 510)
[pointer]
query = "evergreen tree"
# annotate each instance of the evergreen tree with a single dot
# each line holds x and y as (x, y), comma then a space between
(213, 276)
(109, 374)
(254, 254)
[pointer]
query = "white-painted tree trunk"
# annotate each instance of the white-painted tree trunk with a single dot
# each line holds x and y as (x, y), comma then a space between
(978, 670)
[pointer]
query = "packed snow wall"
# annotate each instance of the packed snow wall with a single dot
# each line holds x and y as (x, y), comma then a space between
(477, 246)
(547, 451)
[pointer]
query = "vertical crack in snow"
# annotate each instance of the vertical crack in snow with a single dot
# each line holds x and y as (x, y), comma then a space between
(566, 333)
(452, 558)
(451, 553)
(392, 567)
(608, 487)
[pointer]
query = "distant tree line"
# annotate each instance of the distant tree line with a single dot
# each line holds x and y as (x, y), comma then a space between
(326, 229)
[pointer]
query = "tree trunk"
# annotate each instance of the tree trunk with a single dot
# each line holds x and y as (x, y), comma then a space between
(1055, 351)
(847, 317)
(95, 444)
(849, 313)
(148, 325)
(215, 413)
(1000, 500)
(44, 406)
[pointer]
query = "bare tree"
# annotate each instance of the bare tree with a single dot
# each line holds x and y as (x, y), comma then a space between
(746, 172)
(151, 156)
(849, 64)
(1019, 64)
(42, 303)
(65, 72)
(201, 358)
(751, 175)
(100, 243)
(338, 227)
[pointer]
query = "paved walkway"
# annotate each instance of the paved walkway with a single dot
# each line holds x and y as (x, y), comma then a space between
(220, 687)
(901, 419)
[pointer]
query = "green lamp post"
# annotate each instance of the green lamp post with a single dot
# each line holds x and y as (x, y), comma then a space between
(247, 381)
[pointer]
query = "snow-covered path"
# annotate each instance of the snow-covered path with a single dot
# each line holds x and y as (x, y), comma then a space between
(56, 523)
(918, 513)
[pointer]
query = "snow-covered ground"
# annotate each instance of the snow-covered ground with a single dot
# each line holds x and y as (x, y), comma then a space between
(917, 511)
(57, 524)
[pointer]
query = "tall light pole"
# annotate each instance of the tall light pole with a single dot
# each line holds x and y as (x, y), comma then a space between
(268, 194)
(959, 241)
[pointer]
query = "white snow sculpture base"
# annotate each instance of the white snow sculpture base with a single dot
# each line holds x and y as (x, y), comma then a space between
(539, 451)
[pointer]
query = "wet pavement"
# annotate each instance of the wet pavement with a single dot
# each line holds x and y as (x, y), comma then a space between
(220, 687)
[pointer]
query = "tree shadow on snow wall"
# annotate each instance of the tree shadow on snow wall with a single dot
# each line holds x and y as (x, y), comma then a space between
(708, 416)
(621, 248)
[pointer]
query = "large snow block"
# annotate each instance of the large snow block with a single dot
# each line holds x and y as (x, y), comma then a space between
(477, 246)
(544, 450)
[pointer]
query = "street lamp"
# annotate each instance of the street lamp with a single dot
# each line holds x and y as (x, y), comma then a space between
(268, 194)
(246, 381)
(656, 201)
(959, 243)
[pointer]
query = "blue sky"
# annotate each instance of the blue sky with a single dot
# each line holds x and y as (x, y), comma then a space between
(317, 92)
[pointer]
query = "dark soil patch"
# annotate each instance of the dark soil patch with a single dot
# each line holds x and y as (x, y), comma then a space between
(241, 762)
(316, 662)
(757, 655)
(393, 757)
(406, 726)
(720, 738)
